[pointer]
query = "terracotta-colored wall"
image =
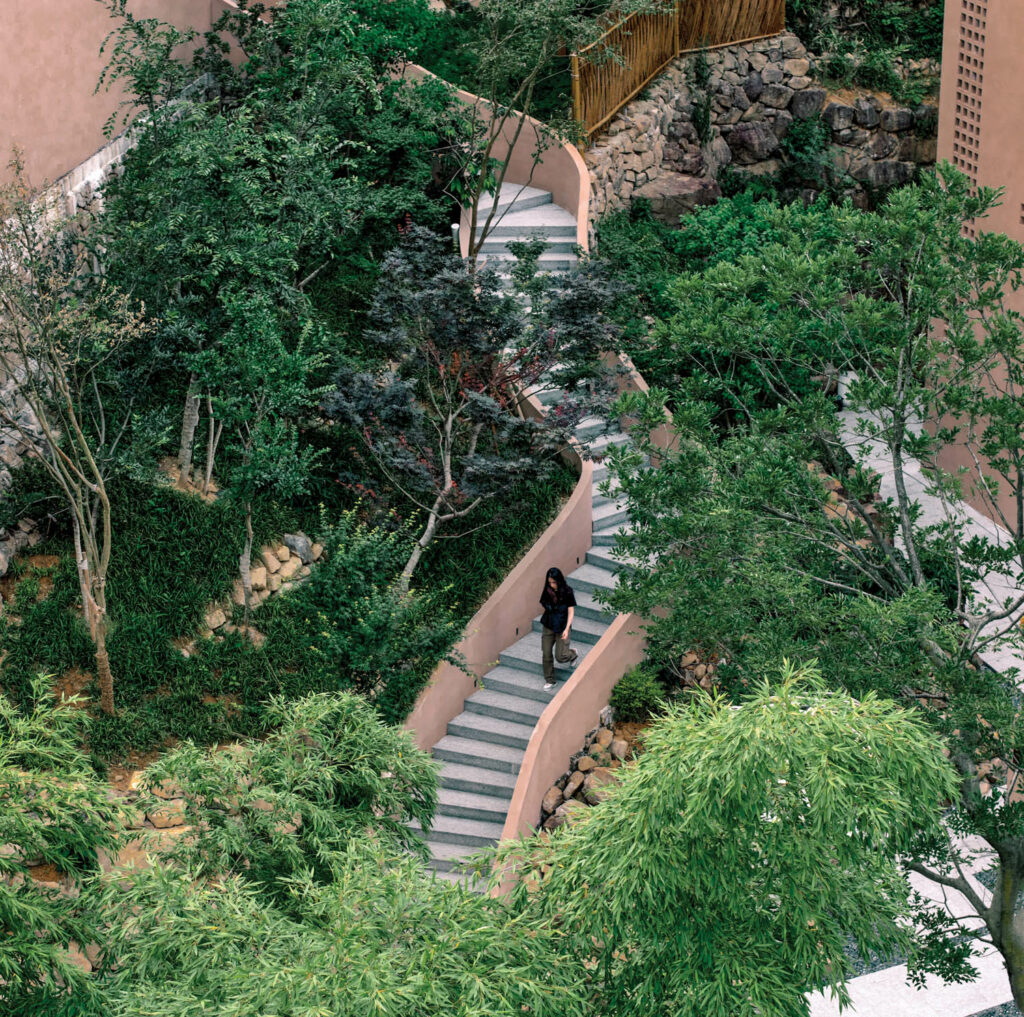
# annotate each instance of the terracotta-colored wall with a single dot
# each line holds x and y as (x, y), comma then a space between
(980, 122)
(49, 68)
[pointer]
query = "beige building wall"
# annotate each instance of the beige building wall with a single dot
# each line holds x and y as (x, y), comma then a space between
(49, 66)
(981, 120)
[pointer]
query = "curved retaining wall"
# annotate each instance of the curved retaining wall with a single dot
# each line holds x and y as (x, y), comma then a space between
(560, 170)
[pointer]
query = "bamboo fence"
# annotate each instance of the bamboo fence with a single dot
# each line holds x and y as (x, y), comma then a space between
(616, 67)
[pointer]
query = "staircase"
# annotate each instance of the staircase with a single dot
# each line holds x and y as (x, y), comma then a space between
(526, 213)
(485, 744)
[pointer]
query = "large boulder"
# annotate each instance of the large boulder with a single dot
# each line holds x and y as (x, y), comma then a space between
(838, 115)
(673, 195)
(752, 142)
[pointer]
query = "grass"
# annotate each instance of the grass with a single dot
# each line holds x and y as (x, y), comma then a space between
(174, 555)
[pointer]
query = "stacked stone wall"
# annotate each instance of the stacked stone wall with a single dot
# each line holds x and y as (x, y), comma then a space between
(756, 91)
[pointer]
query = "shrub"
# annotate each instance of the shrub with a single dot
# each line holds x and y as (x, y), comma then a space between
(637, 696)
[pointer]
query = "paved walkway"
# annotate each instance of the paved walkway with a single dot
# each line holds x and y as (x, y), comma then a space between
(886, 993)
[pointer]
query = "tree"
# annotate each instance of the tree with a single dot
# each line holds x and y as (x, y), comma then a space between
(62, 337)
(300, 843)
(440, 420)
(726, 872)
(54, 812)
(261, 389)
(771, 519)
(285, 174)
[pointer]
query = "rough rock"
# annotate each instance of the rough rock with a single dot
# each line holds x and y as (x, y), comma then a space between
(585, 764)
(552, 799)
(620, 748)
(573, 784)
(604, 737)
(797, 67)
(170, 813)
(596, 784)
(753, 86)
(897, 119)
(273, 583)
(777, 96)
(752, 142)
(258, 578)
(289, 568)
(673, 195)
(299, 544)
(838, 116)
(866, 112)
(807, 103)
(270, 560)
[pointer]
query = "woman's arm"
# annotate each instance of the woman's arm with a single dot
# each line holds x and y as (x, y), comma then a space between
(568, 622)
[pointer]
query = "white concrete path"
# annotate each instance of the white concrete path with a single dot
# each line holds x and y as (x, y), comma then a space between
(887, 993)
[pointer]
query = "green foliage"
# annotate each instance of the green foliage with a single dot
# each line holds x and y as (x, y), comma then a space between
(382, 938)
(859, 43)
(53, 811)
(293, 804)
(699, 75)
(727, 871)
(637, 696)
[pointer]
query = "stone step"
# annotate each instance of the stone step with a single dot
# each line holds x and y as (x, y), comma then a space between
(589, 578)
(549, 219)
(468, 832)
(610, 537)
(593, 427)
(501, 705)
(611, 514)
(517, 682)
(552, 245)
(447, 857)
(477, 780)
(607, 558)
(525, 654)
(472, 752)
(469, 882)
(470, 805)
(490, 729)
(516, 197)
(549, 261)
(584, 630)
(588, 607)
(602, 445)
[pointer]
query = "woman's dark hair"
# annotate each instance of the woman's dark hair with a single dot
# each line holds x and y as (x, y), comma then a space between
(547, 597)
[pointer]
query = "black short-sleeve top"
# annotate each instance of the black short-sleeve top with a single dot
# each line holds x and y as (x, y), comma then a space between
(556, 609)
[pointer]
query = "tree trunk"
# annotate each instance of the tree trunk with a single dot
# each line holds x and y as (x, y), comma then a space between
(212, 440)
(189, 423)
(84, 580)
(103, 674)
(245, 562)
(426, 539)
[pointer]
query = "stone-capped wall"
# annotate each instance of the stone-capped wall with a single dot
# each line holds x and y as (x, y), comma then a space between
(757, 90)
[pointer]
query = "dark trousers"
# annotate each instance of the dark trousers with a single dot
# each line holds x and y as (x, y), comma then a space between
(563, 652)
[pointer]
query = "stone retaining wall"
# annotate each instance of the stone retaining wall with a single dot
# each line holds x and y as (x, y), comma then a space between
(757, 91)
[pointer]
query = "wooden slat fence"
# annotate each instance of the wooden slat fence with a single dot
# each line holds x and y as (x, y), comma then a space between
(616, 67)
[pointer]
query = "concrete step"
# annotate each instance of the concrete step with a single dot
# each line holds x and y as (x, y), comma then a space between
(504, 707)
(609, 537)
(584, 630)
(516, 197)
(549, 261)
(552, 245)
(525, 654)
(588, 607)
(590, 577)
(602, 445)
(517, 682)
(472, 752)
(447, 857)
(607, 558)
(470, 833)
(550, 219)
(491, 730)
(610, 514)
(470, 805)
(593, 427)
(468, 882)
(477, 780)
